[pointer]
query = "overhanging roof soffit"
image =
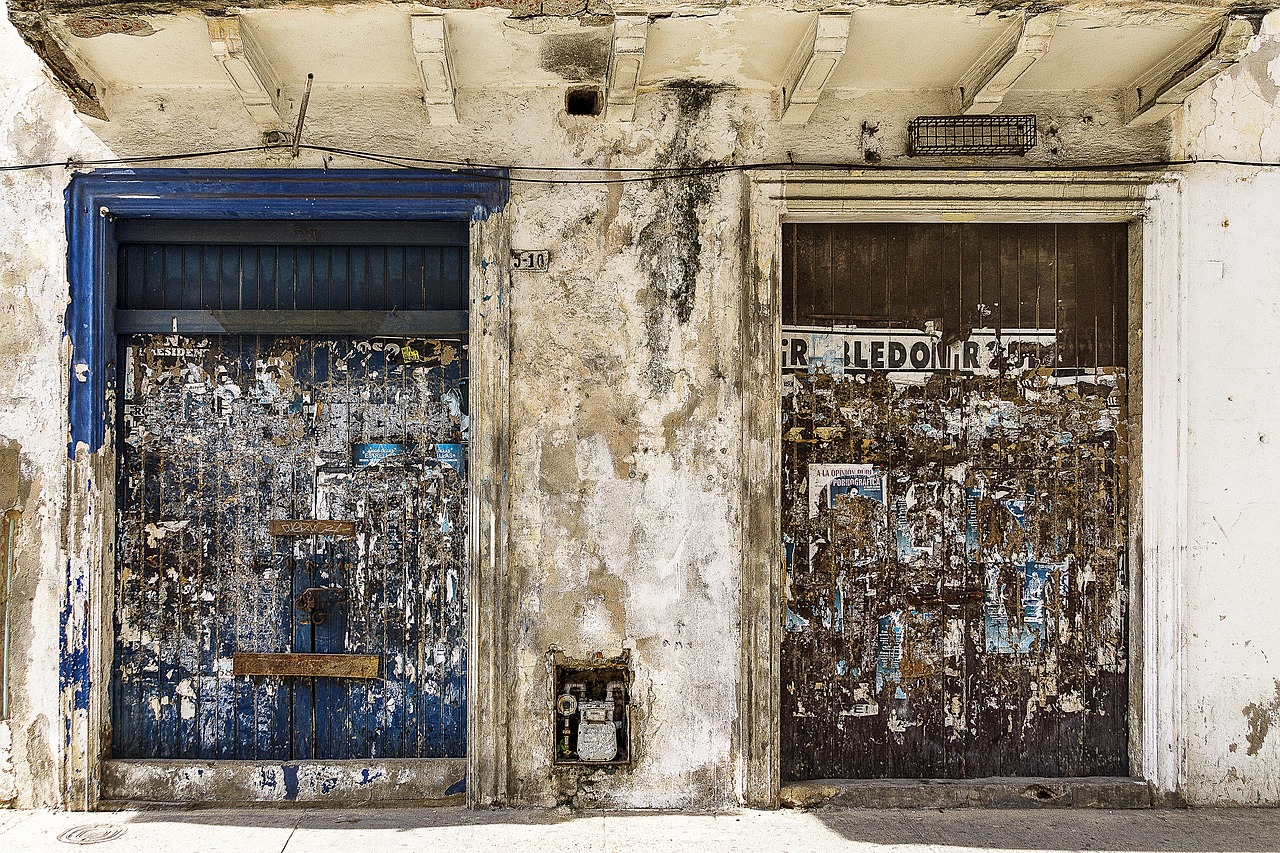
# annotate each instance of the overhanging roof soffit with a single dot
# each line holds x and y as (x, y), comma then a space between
(405, 64)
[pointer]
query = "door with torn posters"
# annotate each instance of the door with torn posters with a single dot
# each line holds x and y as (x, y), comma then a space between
(291, 573)
(955, 475)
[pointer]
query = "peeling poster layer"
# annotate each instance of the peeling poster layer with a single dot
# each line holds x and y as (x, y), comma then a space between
(220, 437)
(954, 529)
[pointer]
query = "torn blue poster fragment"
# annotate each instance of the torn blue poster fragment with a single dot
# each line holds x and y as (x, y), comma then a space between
(451, 455)
(364, 455)
(795, 622)
(907, 550)
(971, 540)
(889, 654)
(1017, 507)
(1005, 636)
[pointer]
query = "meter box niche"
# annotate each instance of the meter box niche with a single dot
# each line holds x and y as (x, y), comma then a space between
(592, 713)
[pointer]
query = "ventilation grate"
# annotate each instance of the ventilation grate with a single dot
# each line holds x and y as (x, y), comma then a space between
(971, 135)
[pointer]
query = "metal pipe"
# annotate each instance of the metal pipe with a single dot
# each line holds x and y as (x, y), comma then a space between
(302, 115)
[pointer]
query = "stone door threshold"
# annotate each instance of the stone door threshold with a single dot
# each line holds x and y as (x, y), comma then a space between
(356, 782)
(1104, 792)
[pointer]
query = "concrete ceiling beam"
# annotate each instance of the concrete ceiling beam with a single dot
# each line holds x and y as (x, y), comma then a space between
(81, 83)
(248, 71)
(1166, 86)
(626, 59)
(982, 88)
(435, 66)
(811, 66)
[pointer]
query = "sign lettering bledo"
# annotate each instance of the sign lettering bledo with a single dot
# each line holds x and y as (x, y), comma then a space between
(913, 354)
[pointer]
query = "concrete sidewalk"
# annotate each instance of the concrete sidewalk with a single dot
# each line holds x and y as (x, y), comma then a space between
(562, 831)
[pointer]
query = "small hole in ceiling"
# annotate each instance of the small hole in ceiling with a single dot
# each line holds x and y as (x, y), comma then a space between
(583, 101)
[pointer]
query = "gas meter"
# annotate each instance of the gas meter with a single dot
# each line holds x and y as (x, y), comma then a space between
(591, 713)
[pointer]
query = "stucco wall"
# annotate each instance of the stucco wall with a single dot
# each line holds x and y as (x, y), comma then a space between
(1232, 631)
(36, 124)
(625, 527)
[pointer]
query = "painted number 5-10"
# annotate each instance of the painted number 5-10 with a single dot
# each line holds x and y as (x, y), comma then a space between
(536, 260)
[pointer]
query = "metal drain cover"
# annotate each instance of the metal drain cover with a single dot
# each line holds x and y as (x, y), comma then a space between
(92, 833)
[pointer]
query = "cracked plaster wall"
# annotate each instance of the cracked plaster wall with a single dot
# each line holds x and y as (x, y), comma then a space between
(625, 427)
(36, 123)
(1232, 696)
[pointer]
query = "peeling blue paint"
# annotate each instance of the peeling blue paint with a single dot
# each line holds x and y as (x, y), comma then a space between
(290, 781)
(459, 787)
(73, 666)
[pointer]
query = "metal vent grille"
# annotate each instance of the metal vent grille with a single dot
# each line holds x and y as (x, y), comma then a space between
(963, 135)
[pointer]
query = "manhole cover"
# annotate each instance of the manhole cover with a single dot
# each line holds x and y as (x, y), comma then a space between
(92, 833)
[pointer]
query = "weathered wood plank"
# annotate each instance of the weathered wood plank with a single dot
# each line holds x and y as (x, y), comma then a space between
(284, 527)
(293, 664)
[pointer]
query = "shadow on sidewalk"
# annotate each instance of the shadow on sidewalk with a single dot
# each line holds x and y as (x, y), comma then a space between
(1139, 831)
(382, 817)
(1183, 830)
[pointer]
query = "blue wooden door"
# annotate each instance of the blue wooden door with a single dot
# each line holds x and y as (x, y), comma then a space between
(221, 436)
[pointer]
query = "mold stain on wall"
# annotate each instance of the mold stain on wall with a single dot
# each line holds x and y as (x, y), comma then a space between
(670, 244)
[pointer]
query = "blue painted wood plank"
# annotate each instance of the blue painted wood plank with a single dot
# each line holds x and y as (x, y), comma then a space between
(357, 263)
(304, 265)
(153, 276)
(286, 276)
(131, 277)
(173, 279)
(192, 273)
(454, 276)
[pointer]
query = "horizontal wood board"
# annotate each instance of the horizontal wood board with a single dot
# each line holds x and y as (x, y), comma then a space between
(306, 665)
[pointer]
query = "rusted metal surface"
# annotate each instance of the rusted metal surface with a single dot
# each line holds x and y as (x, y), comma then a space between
(311, 527)
(955, 561)
(288, 664)
(221, 436)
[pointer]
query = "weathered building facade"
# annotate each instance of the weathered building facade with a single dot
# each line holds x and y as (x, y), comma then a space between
(543, 403)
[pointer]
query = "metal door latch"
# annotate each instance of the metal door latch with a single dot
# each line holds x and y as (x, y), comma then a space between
(318, 600)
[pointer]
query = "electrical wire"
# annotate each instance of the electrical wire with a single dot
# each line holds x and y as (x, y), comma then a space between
(623, 175)
(141, 158)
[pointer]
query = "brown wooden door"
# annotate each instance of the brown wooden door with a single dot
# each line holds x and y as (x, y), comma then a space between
(955, 501)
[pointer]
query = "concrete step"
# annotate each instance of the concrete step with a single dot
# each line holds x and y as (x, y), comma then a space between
(991, 793)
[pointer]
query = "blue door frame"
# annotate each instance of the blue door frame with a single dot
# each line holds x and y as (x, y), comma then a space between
(95, 200)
